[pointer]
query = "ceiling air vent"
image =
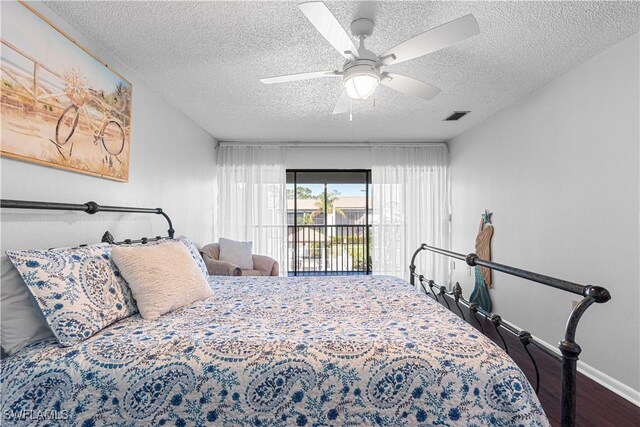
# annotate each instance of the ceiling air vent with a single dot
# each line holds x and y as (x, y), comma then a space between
(457, 115)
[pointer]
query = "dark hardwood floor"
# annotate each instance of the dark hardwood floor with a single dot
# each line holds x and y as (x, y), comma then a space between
(597, 405)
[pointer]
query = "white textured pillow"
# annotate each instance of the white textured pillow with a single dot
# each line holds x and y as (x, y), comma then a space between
(162, 277)
(195, 253)
(238, 253)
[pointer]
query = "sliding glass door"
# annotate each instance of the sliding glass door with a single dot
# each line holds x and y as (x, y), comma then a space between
(329, 227)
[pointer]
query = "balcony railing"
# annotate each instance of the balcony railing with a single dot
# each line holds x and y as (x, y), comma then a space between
(329, 250)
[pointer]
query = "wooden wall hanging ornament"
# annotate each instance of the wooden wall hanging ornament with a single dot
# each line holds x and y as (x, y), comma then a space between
(480, 293)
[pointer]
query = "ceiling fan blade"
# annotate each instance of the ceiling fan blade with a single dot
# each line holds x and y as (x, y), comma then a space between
(433, 40)
(327, 24)
(409, 86)
(301, 76)
(343, 105)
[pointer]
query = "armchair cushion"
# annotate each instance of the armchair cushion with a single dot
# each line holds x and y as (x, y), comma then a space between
(252, 273)
(222, 268)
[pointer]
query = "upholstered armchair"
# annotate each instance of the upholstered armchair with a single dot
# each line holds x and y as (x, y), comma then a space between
(262, 265)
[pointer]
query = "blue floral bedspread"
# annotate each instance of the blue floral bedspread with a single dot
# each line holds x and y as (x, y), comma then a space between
(360, 350)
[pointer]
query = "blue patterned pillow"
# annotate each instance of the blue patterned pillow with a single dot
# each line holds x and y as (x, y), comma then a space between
(195, 254)
(78, 290)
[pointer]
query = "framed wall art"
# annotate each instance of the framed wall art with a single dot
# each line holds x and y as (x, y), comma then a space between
(61, 106)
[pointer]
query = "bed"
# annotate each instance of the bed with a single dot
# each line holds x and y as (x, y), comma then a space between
(272, 351)
(365, 350)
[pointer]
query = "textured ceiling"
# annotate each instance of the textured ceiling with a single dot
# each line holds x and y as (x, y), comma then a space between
(206, 58)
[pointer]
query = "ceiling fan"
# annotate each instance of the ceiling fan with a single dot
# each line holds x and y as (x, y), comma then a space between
(361, 73)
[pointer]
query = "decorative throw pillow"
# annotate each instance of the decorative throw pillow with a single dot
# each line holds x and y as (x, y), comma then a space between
(238, 253)
(78, 290)
(195, 253)
(162, 277)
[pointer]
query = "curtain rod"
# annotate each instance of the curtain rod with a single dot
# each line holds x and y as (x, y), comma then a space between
(303, 144)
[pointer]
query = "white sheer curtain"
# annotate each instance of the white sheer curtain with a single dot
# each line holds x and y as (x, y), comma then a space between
(252, 198)
(410, 207)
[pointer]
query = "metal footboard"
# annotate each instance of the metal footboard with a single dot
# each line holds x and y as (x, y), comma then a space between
(569, 349)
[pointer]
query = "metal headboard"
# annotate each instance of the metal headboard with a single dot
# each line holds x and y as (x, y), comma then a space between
(569, 349)
(92, 208)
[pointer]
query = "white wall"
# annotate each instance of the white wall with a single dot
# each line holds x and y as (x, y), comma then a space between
(301, 157)
(172, 166)
(560, 172)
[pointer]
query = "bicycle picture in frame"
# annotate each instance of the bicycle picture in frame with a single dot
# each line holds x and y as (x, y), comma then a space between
(61, 106)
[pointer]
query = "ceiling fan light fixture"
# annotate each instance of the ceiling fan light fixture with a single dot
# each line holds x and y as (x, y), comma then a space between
(361, 71)
(361, 83)
(361, 86)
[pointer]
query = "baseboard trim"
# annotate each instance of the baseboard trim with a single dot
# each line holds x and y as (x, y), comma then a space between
(619, 388)
(612, 384)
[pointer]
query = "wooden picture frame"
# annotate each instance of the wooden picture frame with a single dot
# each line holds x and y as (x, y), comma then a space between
(61, 106)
